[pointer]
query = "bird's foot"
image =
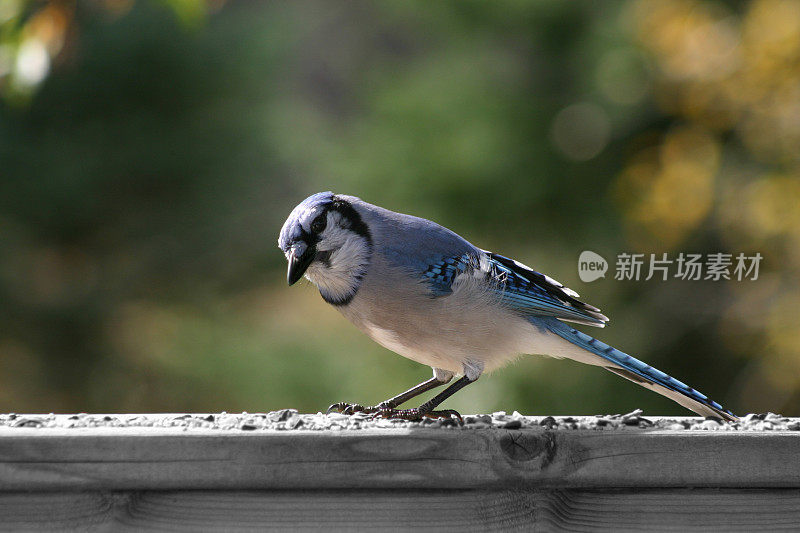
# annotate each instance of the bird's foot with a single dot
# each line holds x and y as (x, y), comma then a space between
(416, 414)
(383, 411)
(351, 408)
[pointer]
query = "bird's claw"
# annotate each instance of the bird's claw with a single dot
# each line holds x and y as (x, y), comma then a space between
(350, 408)
(416, 415)
(382, 411)
(449, 413)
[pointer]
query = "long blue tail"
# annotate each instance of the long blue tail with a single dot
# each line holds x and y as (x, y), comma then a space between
(631, 368)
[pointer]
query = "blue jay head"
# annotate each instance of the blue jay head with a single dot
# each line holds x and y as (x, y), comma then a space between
(325, 239)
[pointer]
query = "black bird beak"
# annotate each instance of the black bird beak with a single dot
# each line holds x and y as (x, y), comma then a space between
(299, 264)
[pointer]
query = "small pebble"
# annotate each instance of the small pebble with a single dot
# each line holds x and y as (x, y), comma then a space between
(709, 424)
(548, 422)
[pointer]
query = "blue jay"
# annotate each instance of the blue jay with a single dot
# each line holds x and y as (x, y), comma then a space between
(424, 292)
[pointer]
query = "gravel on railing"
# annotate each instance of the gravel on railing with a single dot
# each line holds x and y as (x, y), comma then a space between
(290, 419)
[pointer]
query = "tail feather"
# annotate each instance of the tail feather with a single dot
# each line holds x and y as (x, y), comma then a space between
(639, 372)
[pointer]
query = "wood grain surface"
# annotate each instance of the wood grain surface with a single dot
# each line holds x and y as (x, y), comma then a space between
(532, 478)
(168, 459)
(451, 510)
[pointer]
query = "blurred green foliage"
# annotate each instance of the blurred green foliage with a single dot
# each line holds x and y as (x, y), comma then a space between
(150, 151)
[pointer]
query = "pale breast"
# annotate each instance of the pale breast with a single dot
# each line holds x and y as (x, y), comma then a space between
(466, 327)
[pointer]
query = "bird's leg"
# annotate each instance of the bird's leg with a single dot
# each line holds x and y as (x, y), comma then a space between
(426, 410)
(391, 403)
(415, 391)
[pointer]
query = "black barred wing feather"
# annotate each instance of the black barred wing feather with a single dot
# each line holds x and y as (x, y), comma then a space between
(535, 294)
(441, 274)
(521, 288)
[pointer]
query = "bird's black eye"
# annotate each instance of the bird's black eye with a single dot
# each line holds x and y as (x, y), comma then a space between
(319, 223)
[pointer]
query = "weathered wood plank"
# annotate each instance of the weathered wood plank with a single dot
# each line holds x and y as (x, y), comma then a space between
(505, 474)
(361, 510)
(432, 458)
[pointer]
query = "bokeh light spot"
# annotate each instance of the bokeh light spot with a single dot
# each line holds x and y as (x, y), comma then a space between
(581, 131)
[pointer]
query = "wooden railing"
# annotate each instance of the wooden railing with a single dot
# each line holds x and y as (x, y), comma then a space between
(288, 471)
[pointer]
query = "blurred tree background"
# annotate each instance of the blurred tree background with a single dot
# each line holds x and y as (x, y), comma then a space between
(150, 151)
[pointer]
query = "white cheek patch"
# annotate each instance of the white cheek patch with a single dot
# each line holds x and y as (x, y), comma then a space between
(351, 255)
(338, 278)
(334, 236)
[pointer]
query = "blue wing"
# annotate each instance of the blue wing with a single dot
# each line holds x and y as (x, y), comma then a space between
(441, 274)
(521, 288)
(440, 256)
(535, 294)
